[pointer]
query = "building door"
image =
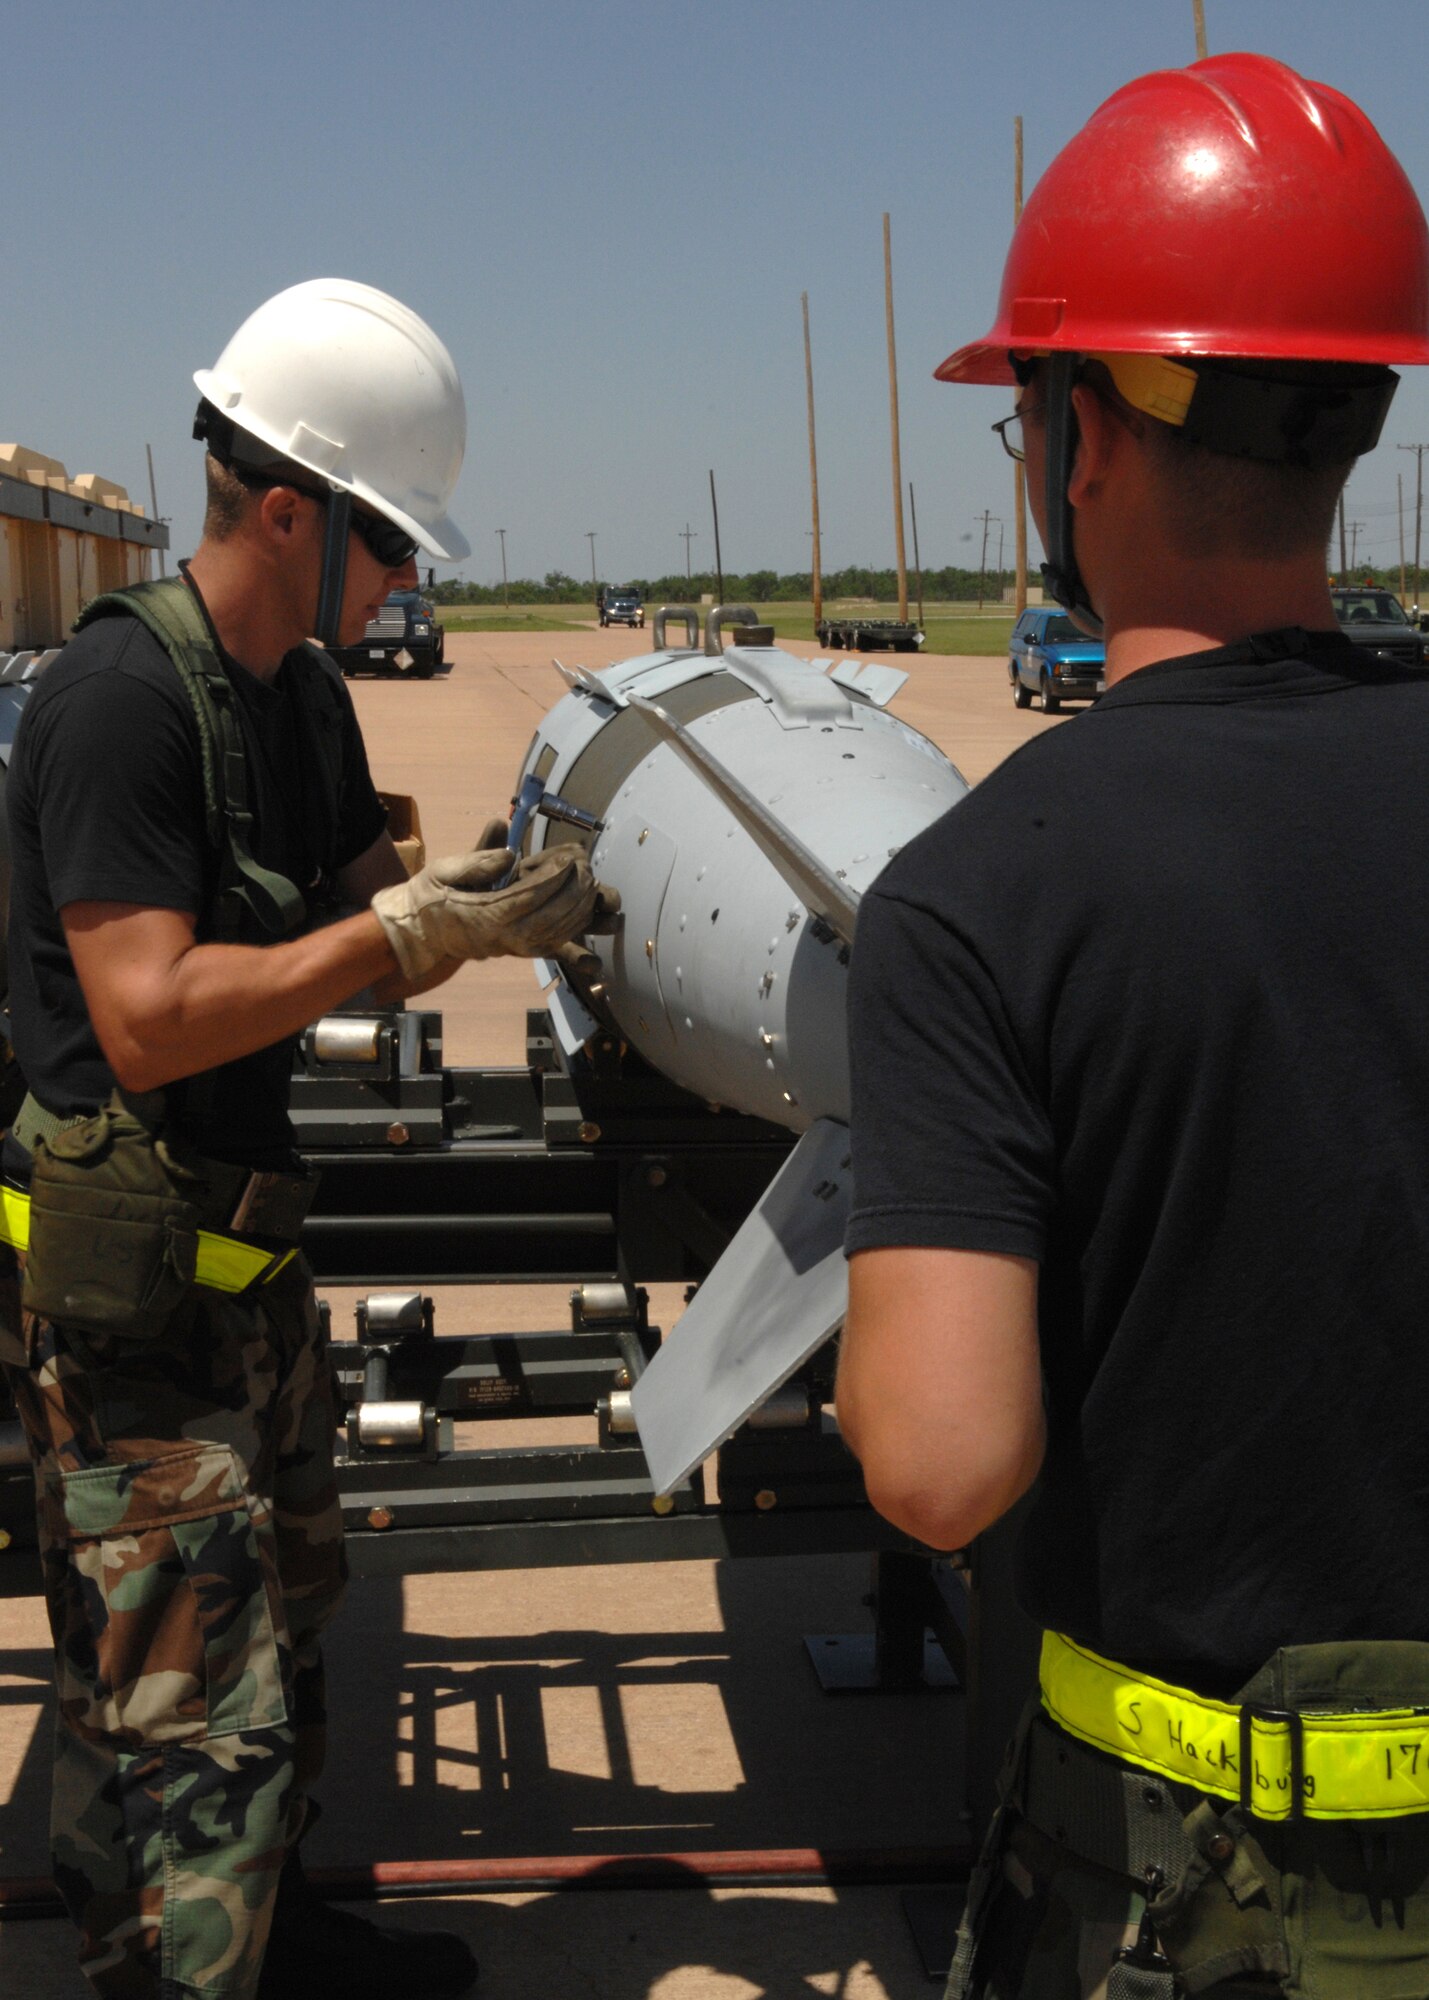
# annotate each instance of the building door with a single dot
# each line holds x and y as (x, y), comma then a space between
(37, 607)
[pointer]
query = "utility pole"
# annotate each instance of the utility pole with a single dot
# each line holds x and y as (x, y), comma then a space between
(687, 537)
(154, 504)
(1344, 559)
(505, 597)
(1355, 527)
(1419, 451)
(987, 517)
(999, 558)
(1019, 471)
(1399, 483)
(917, 560)
(1198, 11)
(719, 564)
(893, 424)
(590, 537)
(818, 565)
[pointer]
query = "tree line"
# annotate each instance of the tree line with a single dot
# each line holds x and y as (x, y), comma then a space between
(761, 586)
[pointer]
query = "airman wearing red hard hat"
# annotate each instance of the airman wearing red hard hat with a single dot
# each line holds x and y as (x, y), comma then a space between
(1141, 1091)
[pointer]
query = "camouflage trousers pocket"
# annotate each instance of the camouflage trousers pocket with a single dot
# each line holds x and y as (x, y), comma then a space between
(169, 1628)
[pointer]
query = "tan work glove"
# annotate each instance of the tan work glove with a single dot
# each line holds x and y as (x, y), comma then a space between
(453, 909)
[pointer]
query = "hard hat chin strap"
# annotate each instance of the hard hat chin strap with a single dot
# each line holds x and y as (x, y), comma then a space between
(1060, 575)
(336, 532)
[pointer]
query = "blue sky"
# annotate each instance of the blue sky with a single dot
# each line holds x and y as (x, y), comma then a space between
(609, 213)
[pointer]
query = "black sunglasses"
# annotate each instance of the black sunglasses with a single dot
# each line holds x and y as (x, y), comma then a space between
(383, 540)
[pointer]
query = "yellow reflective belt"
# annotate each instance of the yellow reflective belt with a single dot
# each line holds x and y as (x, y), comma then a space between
(1364, 1766)
(14, 1218)
(224, 1263)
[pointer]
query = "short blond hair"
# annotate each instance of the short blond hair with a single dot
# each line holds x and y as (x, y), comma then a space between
(229, 501)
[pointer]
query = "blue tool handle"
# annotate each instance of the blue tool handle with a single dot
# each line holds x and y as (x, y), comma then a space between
(529, 797)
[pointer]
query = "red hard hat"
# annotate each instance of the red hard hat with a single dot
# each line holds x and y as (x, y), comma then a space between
(1231, 208)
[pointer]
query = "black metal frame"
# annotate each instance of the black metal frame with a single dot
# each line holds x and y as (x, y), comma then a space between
(595, 1171)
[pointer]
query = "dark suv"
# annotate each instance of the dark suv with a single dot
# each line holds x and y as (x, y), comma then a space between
(1374, 617)
(1049, 657)
(404, 637)
(620, 605)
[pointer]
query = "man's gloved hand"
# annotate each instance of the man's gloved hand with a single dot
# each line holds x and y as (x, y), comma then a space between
(453, 908)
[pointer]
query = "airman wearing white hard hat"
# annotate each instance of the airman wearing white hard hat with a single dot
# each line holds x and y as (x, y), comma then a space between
(339, 380)
(201, 866)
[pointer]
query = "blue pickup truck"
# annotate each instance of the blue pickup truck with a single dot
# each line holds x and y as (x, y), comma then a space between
(1050, 658)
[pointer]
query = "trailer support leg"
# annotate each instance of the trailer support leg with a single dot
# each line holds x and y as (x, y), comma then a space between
(917, 1639)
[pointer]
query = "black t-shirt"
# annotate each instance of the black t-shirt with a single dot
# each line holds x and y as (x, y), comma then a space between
(1152, 1007)
(105, 803)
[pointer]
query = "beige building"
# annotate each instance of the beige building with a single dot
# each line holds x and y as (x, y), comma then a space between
(63, 541)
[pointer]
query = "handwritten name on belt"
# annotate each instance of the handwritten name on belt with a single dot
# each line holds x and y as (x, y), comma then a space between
(1326, 1766)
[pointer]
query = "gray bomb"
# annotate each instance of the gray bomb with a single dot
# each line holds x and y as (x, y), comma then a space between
(740, 801)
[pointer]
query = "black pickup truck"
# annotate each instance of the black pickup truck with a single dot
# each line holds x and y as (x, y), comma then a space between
(620, 604)
(1374, 617)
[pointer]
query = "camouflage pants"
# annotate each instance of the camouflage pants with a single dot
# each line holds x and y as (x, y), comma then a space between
(192, 1546)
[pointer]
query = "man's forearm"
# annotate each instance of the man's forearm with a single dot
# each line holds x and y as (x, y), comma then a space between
(939, 1388)
(214, 1003)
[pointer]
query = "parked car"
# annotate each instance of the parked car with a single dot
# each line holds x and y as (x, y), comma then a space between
(406, 624)
(1050, 657)
(1374, 617)
(620, 605)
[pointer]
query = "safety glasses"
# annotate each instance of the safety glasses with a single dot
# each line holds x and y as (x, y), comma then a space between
(384, 541)
(1009, 431)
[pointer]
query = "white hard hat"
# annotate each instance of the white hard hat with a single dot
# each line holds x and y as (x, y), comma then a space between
(350, 383)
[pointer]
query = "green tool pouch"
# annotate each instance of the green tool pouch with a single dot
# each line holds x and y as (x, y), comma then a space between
(114, 1220)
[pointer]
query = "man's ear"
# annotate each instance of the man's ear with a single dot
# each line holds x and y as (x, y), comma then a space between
(281, 512)
(1098, 436)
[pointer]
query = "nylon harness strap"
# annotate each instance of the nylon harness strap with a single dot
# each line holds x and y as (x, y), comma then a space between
(224, 1264)
(1278, 1764)
(171, 613)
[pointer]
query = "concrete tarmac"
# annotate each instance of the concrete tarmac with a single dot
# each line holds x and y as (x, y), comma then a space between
(653, 1708)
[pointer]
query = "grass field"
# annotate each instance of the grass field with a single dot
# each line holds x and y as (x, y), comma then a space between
(491, 618)
(950, 628)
